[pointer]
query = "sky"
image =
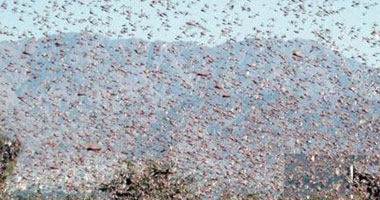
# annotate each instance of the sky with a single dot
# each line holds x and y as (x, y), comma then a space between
(346, 22)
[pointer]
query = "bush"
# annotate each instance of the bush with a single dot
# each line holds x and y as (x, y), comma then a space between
(150, 180)
(8, 153)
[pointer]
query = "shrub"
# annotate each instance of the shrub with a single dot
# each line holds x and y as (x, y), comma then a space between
(150, 180)
(8, 153)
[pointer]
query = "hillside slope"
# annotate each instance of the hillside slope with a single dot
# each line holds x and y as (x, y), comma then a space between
(80, 104)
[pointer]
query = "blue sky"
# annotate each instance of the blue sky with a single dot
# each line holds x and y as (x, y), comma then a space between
(256, 15)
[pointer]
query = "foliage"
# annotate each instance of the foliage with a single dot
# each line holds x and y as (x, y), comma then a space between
(150, 180)
(8, 153)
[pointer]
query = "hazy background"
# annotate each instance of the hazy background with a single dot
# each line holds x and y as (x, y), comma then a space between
(348, 23)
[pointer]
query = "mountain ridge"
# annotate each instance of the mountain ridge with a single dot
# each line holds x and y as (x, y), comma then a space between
(229, 109)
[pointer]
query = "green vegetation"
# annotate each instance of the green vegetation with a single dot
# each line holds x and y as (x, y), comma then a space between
(150, 180)
(8, 153)
(155, 179)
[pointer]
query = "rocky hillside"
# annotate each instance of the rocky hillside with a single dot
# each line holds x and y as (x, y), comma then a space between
(80, 104)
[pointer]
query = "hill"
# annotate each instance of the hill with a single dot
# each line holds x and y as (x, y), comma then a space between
(80, 104)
